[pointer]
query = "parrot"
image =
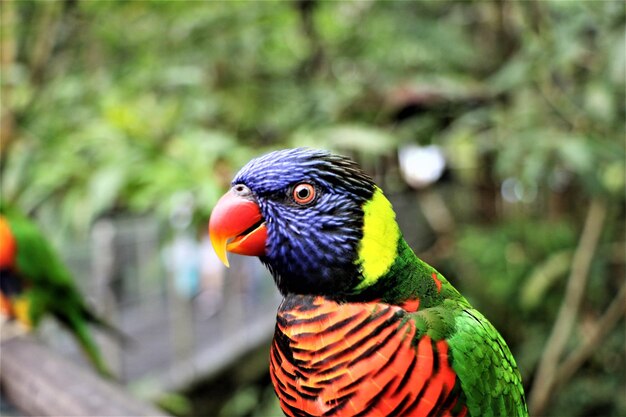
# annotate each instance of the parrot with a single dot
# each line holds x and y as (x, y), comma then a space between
(365, 327)
(34, 283)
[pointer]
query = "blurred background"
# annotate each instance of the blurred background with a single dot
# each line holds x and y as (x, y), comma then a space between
(495, 127)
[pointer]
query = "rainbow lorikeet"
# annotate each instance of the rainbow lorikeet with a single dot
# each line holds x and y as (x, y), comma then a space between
(365, 326)
(35, 283)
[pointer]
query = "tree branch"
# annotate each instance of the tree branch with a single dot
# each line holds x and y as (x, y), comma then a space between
(8, 46)
(607, 322)
(313, 64)
(547, 368)
(43, 44)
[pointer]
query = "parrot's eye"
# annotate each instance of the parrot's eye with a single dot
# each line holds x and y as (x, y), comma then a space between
(303, 193)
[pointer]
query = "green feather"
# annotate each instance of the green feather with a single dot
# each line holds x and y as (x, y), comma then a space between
(489, 377)
(50, 290)
(485, 366)
(486, 369)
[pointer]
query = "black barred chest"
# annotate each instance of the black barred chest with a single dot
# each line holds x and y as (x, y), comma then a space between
(355, 358)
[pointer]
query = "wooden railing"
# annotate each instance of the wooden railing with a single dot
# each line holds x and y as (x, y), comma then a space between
(174, 339)
(40, 382)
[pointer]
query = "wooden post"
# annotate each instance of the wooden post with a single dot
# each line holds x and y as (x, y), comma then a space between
(40, 382)
(102, 270)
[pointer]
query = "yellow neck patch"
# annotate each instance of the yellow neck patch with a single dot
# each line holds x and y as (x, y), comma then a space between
(379, 246)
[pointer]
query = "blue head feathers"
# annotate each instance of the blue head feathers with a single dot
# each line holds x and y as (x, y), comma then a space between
(312, 246)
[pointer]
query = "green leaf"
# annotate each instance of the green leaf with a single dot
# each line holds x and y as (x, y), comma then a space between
(353, 138)
(105, 186)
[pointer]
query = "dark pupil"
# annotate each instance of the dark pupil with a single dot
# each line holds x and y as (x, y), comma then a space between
(303, 193)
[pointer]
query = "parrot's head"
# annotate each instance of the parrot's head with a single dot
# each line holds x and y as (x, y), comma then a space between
(317, 221)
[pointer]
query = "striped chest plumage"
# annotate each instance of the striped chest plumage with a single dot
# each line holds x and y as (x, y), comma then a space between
(348, 359)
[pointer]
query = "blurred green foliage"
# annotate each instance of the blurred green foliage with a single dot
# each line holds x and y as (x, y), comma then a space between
(116, 106)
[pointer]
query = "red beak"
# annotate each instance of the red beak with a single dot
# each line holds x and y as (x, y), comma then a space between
(237, 226)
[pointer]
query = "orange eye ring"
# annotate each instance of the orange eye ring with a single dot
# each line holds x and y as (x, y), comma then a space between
(304, 193)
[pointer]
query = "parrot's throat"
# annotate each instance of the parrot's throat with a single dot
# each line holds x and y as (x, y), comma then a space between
(408, 280)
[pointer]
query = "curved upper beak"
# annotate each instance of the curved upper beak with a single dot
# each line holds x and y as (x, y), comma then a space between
(237, 226)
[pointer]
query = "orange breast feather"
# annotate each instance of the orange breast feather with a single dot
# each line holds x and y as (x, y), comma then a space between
(8, 246)
(354, 359)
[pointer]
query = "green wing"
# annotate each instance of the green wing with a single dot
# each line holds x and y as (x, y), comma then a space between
(50, 289)
(45, 278)
(36, 260)
(486, 368)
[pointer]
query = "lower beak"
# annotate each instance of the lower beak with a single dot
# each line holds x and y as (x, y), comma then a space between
(237, 226)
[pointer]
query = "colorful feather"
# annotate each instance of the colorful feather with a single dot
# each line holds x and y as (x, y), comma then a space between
(365, 327)
(35, 283)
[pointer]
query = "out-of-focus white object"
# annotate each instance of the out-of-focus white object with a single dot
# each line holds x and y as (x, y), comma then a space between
(514, 190)
(421, 166)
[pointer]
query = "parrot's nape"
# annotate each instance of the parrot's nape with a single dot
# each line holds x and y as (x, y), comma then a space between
(34, 283)
(365, 327)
